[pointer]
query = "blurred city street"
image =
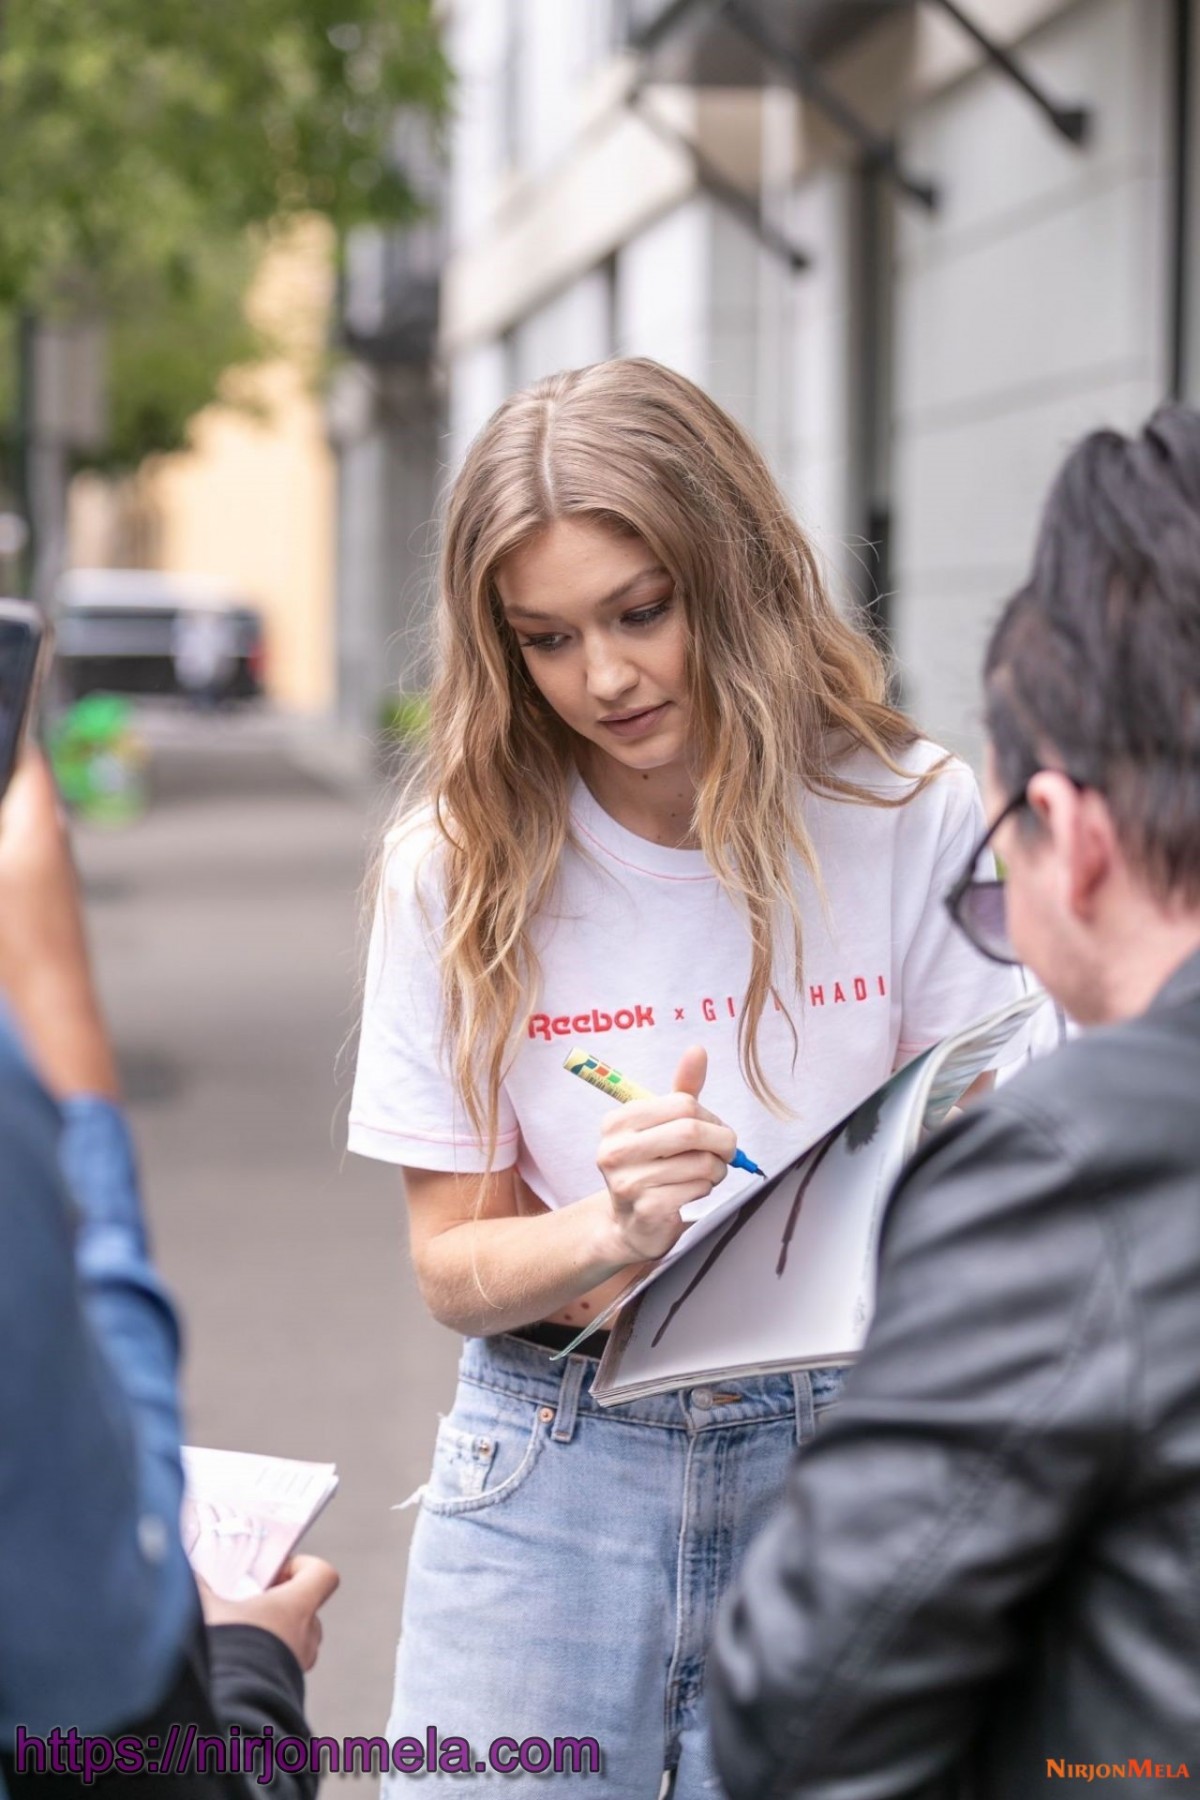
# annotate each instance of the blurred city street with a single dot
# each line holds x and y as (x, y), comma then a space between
(324, 330)
(225, 928)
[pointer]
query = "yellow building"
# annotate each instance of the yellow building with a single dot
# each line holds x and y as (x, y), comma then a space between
(252, 503)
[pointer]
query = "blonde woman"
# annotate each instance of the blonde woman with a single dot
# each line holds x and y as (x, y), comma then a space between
(670, 813)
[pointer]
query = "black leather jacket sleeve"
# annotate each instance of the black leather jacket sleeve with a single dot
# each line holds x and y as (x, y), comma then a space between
(230, 1675)
(987, 1415)
(257, 1684)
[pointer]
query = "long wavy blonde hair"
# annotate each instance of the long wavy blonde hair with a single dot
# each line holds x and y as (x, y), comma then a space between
(781, 686)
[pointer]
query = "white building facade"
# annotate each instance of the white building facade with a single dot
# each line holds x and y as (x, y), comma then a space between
(913, 372)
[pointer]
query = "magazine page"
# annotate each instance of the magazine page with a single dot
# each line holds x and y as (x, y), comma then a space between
(955, 1063)
(789, 1280)
(1003, 1038)
(736, 1191)
(243, 1515)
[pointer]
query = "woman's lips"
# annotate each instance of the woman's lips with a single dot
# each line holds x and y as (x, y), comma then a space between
(639, 724)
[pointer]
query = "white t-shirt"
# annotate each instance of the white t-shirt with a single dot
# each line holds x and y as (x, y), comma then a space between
(643, 953)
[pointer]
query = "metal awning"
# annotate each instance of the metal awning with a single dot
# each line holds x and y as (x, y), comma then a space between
(697, 44)
(755, 43)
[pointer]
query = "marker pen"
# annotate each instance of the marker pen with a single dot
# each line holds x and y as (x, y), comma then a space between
(619, 1087)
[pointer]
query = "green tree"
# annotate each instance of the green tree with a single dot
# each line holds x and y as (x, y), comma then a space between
(148, 144)
(170, 340)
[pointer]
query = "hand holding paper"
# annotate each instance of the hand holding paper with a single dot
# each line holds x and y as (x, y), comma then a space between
(288, 1608)
(243, 1515)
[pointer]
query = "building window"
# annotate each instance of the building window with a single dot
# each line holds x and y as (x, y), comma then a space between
(600, 24)
(1185, 282)
(512, 84)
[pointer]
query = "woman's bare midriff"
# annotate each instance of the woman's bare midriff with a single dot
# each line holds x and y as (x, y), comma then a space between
(578, 1312)
(589, 1305)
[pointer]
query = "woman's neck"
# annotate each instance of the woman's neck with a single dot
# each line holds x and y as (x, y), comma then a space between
(655, 804)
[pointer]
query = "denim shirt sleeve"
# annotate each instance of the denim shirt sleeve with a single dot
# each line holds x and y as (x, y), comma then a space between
(96, 1598)
(126, 1303)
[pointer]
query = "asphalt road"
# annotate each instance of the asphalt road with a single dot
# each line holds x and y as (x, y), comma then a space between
(225, 928)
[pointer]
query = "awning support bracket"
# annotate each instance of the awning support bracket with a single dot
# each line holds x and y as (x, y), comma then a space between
(1071, 122)
(880, 152)
(714, 182)
(646, 38)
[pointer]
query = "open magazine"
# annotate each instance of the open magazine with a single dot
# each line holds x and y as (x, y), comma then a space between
(243, 1515)
(783, 1276)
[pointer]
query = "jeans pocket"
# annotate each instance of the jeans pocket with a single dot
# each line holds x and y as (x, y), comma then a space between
(477, 1468)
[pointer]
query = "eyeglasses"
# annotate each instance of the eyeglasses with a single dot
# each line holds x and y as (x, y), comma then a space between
(978, 903)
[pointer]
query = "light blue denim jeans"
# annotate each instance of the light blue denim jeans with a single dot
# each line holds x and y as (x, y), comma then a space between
(568, 1561)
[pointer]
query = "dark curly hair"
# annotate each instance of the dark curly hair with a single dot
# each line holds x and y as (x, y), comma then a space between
(1094, 666)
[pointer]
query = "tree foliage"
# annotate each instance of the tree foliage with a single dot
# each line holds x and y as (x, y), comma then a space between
(169, 341)
(144, 140)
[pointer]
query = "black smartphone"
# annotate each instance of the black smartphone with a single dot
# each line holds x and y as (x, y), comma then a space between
(22, 634)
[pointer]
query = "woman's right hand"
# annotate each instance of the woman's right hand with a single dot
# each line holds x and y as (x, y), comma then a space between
(657, 1155)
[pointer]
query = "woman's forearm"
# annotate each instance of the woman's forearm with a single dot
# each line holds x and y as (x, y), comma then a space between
(485, 1276)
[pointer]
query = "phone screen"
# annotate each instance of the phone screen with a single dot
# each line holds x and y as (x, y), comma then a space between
(20, 640)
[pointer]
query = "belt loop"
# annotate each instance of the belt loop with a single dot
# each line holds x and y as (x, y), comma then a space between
(806, 1418)
(568, 1400)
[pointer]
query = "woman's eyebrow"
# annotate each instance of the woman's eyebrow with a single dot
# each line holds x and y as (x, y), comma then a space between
(621, 593)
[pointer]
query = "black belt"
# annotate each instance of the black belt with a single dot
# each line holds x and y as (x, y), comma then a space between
(560, 1337)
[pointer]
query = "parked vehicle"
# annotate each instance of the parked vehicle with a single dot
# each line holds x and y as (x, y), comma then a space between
(140, 631)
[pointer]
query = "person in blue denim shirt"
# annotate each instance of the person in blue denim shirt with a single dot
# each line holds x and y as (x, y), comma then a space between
(95, 1594)
(99, 1616)
(96, 1598)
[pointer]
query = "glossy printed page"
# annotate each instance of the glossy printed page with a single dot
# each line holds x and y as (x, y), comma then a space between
(243, 1515)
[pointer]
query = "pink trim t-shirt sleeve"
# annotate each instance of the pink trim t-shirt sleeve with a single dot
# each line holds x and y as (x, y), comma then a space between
(945, 983)
(405, 1108)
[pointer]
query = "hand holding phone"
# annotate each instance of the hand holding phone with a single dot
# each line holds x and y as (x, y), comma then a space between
(22, 638)
(45, 976)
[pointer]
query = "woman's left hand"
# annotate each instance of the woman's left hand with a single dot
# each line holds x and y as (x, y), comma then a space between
(44, 971)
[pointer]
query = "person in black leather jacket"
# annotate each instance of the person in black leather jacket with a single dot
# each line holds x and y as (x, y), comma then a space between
(985, 1576)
